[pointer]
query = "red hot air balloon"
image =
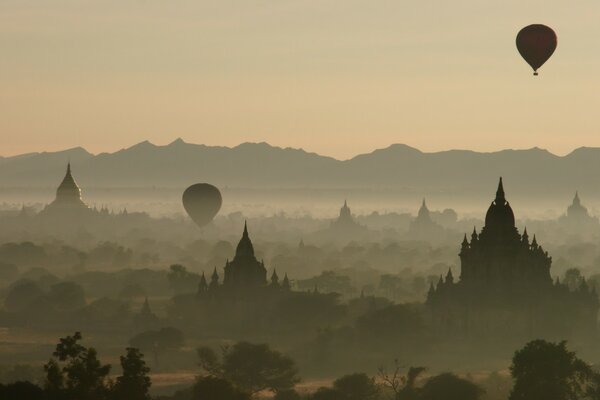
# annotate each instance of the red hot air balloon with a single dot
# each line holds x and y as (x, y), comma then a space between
(202, 202)
(536, 43)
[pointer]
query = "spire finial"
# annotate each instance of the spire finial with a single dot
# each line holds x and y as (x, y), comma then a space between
(245, 228)
(423, 204)
(500, 193)
(465, 242)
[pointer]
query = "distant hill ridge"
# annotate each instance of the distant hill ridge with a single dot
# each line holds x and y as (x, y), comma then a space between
(533, 171)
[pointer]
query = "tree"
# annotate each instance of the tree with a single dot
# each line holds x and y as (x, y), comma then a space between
(158, 342)
(325, 393)
(22, 294)
(75, 372)
(287, 394)
(573, 278)
(213, 388)
(356, 387)
(181, 280)
(21, 391)
(548, 371)
(67, 296)
(403, 386)
(134, 383)
(251, 367)
(450, 387)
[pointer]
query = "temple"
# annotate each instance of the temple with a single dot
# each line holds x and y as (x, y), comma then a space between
(577, 217)
(245, 269)
(345, 219)
(423, 226)
(68, 197)
(345, 226)
(505, 286)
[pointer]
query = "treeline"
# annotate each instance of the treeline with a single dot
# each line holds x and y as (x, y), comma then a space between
(540, 371)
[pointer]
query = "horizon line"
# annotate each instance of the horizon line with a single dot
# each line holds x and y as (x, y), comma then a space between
(179, 140)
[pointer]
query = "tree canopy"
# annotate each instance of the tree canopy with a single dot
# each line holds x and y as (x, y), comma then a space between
(548, 371)
(251, 367)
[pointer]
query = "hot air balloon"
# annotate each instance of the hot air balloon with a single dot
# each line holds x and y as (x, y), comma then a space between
(202, 202)
(536, 43)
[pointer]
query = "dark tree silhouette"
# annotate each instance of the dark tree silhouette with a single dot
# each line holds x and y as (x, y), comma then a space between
(325, 393)
(67, 296)
(181, 280)
(287, 394)
(356, 387)
(134, 383)
(21, 294)
(450, 387)
(75, 372)
(403, 386)
(548, 371)
(21, 391)
(251, 367)
(213, 388)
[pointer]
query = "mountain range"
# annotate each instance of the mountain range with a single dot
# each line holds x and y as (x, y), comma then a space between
(534, 172)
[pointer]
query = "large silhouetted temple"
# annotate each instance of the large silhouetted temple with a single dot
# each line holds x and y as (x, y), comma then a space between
(68, 198)
(505, 286)
(245, 269)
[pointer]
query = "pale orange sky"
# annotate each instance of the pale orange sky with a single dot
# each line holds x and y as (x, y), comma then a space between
(334, 77)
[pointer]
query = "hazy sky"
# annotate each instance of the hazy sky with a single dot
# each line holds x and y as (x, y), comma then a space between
(336, 77)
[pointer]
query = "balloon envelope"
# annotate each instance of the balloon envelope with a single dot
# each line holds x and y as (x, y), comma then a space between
(536, 43)
(202, 202)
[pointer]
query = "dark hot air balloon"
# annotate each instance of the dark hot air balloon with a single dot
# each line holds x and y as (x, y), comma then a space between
(202, 202)
(536, 43)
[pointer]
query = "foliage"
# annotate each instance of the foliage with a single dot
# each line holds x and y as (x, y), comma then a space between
(356, 387)
(214, 388)
(67, 296)
(75, 372)
(449, 387)
(181, 280)
(403, 386)
(325, 393)
(22, 294)
(21, 391)
(548, 371)
(159, 341)
(385, 325)
(287, 394)
(134, 383)
(251, 367)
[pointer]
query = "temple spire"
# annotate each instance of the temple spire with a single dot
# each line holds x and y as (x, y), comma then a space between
(245, 234)
(500, 199)
(576, 198)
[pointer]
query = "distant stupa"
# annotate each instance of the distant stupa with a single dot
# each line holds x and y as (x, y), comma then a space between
(68, 196)
(577, 217)
(345, 220)
(423, 227)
